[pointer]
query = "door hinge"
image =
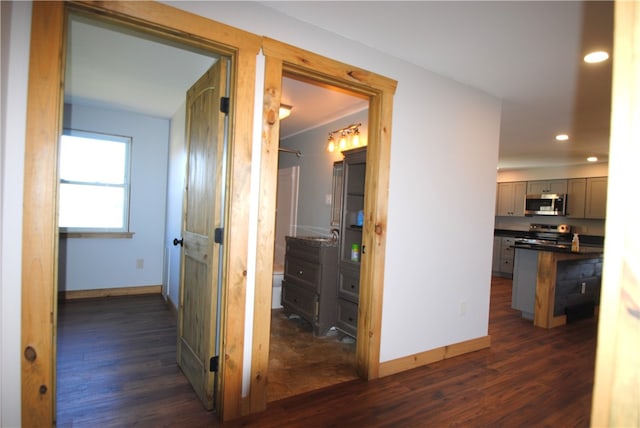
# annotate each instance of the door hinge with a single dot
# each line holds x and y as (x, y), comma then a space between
(217, 235)
(224, 105)
(213, 364)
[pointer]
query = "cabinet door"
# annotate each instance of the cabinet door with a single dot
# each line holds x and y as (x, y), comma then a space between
(535, 187)
(576, 192)
(519, 194)
(557, 186)
(596, 198)
(505, 199)
(511, 198)
(547, 186)
(506, 255)
(497, 253)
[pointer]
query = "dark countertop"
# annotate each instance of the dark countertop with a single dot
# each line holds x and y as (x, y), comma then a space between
(561, 248)
(585, 240)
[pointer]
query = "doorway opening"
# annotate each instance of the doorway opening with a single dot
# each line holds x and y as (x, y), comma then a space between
(122, 81)
(310, 350)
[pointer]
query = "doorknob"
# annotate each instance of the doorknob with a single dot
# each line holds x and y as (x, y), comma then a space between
(177, 241)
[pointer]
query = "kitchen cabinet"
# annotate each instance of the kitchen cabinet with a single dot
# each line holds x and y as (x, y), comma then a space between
(576, 193)
(596, 198)
(309, 283)
(547, 186)
(351, 250)
(523, 294)
(495, 261)
(587, 198)
(503, 256)
(511, 198)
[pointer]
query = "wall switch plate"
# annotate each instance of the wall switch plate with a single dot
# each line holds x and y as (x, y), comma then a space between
(140, 264)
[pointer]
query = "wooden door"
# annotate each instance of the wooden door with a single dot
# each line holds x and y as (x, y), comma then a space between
(202, 214)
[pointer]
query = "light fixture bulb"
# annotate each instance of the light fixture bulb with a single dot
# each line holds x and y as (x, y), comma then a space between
(562, 137)
(331, 145)
(595, 57)
(592, 159)
(284, 111)
(343, 142)
(355, 140)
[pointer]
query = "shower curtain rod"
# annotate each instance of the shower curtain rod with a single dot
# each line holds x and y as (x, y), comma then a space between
(296, 152)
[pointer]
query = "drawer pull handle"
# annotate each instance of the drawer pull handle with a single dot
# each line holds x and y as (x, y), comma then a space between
(300, 272)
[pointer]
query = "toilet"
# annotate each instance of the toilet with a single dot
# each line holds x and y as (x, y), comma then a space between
(276, 296)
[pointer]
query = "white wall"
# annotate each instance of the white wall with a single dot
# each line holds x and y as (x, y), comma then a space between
(316, 172)
(15, 69)
(87, 264)
(576, 171)
(443, 167)
(175, 188)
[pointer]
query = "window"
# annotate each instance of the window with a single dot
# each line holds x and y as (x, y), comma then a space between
(94, 182)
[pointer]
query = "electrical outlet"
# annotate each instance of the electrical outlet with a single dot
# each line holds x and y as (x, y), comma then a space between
(140, 264)
(327, 198)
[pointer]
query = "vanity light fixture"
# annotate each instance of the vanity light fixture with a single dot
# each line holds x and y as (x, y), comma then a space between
(595, 57)
(349, 138)
(562, 137)
(284, 111)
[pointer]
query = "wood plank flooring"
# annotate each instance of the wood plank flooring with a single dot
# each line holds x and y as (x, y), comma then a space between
(112, 374)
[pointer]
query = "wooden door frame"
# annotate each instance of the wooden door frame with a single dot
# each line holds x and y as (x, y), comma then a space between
(40, 234)
(282, 59)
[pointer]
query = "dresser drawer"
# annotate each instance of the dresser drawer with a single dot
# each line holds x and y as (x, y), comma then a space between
(302, 272)
(302, 249)
(349, 283)
(347, 317)
(299, 300)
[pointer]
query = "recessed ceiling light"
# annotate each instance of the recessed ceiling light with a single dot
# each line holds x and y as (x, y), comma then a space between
(562, 137)
(592, 159)
(597, 56)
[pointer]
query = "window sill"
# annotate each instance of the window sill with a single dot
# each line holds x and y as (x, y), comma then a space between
(97, 235)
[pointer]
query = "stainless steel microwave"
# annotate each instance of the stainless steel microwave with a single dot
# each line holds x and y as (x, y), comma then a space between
(545, 204)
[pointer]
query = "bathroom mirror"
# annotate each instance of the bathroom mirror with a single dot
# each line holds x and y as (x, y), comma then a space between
(336, 196)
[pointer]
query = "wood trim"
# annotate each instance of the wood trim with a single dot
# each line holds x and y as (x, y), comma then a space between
(434, 355)
(236, 234)
(109, 292)
(171, 22)
(286, 59)
(318, 68)
(615, 392)
(40, 234)
(266, 234)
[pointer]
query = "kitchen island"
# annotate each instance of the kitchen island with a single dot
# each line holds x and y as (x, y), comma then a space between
(551, 283)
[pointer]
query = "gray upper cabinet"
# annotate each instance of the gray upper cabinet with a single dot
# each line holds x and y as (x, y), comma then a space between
(587, 198)
(547, 186)
(576, 192)
(596, 198)
(511, 198)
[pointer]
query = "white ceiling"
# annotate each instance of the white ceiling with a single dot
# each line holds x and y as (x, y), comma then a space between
(528, 54)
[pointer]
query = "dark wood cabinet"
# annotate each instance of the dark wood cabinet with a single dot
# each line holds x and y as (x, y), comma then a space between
(309, 283)
(351, 224)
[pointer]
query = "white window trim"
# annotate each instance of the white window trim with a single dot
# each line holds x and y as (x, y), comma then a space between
(124, 232)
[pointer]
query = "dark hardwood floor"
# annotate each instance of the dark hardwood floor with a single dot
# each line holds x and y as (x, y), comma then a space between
(116, 368)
